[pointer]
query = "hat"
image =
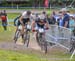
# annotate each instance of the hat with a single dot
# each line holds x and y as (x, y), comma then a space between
(71, 15)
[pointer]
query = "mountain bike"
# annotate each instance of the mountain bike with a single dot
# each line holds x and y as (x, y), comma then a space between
(26, 36)
(41, 39)
(18, 33)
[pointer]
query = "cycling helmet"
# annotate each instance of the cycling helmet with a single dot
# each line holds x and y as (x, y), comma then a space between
(41, 17)
(28, 12)
(44, 12)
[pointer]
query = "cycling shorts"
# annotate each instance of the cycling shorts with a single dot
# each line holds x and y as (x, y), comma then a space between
(26, 20)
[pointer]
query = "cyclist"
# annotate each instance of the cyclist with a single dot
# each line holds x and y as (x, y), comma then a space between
(22, 20)
(17, 22)
(40, 23)
(25, 18)
(43, 15)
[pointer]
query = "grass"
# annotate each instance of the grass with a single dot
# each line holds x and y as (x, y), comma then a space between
(6, 55)
(13, 15)
(7, 35)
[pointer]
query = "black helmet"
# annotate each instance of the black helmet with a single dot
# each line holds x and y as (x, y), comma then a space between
(44, 12)
(28, 12)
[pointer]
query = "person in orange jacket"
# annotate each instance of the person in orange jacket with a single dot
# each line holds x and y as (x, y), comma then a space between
(3, 17)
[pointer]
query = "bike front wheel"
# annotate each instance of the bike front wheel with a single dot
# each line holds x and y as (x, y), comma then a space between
(26, 38)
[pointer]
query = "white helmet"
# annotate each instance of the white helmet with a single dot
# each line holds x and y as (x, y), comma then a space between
(41, 16)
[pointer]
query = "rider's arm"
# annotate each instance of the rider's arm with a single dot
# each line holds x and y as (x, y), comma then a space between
(47, 24)
(33, 24)
(16, 19)
(21, 20)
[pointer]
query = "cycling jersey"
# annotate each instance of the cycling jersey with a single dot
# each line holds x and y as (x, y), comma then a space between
(38, 20)
(26, 18)
(42, 23)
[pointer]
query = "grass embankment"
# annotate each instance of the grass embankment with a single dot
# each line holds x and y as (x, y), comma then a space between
(6, 55)
(12, 15)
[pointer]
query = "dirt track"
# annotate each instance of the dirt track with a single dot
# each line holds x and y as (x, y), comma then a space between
(32, 46)
(19, 45)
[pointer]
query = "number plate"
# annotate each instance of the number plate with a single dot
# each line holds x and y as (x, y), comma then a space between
(20, 27)
(28, 27)
(41, 30)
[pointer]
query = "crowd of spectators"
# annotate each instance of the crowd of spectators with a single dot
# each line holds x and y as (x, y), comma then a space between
(62, 18)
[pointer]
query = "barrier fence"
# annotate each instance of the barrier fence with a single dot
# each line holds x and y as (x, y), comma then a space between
(61, 36)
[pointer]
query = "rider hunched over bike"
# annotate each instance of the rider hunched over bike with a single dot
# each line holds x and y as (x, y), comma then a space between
(21, 21)
(39, 26)
(25, 18)
(41, 22)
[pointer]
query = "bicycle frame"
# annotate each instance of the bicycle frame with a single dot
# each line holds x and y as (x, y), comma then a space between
(26, 37)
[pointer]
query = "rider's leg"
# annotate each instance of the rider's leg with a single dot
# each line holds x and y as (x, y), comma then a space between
(15, 32)
(18, 24)
(22, 31)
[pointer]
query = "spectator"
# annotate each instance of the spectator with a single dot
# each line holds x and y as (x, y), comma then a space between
(3, 17)
(53, 13)
(52, 20)
(48, 19)
(66, 18)
(72, 22)
(60, 20)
